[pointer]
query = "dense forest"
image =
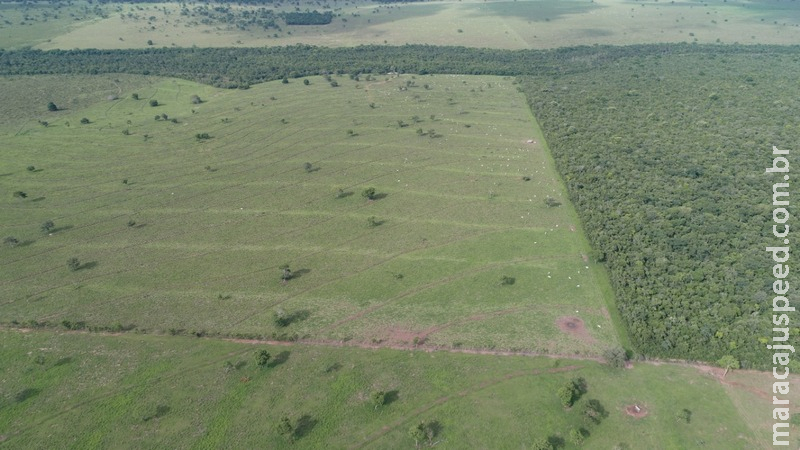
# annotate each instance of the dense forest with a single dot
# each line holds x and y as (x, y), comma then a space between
(663, 149)
(665, 160)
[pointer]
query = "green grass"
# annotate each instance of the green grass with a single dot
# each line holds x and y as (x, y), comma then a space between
(214, 219)
(496, 24)
(94, 391)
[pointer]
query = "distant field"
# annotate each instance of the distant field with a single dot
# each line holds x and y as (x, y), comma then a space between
(494, 24)
(185, 235)
(93, 391)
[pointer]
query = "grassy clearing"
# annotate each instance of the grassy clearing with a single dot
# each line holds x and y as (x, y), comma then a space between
(93, 391)
(497, 24)
(182, 234)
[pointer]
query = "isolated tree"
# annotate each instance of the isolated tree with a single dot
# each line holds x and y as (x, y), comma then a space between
(566, 395)
(616, 357)
(334, 83)
(280, 318)
(195, 99)
(541, 444)
(728, 362)
(683, 416)
(262, 358)
(594, 411)
(202, 136)
(506, 280)
(135, 96)
(47, 226)
(369, 193)
(372, 221)
(20, 194)
(432, 133)
(11, 241)
(306, 82)
(52, 107)
(577, 436)
(340, 193)
(378, 399)
(286, 273)
(417, 432)
(73, 264)
(153, 102)
(286, 428)
(31, 168)
(308, 167)
(551, 202)
(84, 121)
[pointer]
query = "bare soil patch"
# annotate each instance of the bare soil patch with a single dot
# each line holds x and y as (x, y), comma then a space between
(636, 411)
(574, 326)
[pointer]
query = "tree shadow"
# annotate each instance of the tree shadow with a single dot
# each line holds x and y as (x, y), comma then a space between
(300, 272)
(6, 174)
(140, 225)
(240, 365)
(60, 229)
(557, 442)
(25, 243)
(344, 194)
(313, 169)
(88, 265)
(391, 397)
(279, 359)
(63, 361)
(379, 196)
(38, 199)
(304, 426)
(161, 411)
(25, 394)
(298, 316)
(333, 368)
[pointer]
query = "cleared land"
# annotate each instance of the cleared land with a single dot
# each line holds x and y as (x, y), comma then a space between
(496, 24)
(95, 391)
(182, 234)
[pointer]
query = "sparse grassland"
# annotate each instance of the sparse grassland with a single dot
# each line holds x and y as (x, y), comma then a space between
(496, 24)
(186, 235)
(95, 391)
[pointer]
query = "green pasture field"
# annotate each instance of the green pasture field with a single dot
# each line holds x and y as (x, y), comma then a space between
(494, 24)
(101, 391)
(178, 234)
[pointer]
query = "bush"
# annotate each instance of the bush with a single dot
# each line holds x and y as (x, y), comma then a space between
(73, 264)
(20, 194)
(153, 102)
(84, 121)
(369, 193)
(202, 136)
(262, 358)
(47, 226)
(52, 107)
(11, 241)
(616, 357)
(31, 169)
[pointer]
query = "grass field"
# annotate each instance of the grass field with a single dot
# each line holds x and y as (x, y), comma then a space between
(192, 241)
(97, 391)
(495, 24)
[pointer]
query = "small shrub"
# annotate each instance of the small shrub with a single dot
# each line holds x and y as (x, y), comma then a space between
(262, 358)
(31, 169)
(308, 167)
(369, 193)
(47, 226)
(195, 99)
(84, 121)
(20, 194)
(683, 416)
(11, 241)
(306, 82)
(378, 399)
(551, 202)
(202, 136)
(73, 264)
(52, 107)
